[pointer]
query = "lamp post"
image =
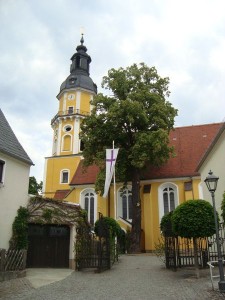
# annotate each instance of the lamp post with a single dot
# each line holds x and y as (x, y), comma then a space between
(211, 183)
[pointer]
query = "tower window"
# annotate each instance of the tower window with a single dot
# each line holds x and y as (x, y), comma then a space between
(64, 176)
(81, 145)
(72, 80)
(78, 61)
(67, 128)
(70, 110)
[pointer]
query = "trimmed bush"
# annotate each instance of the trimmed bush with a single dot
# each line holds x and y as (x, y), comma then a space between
(110, 223)
(193, 219)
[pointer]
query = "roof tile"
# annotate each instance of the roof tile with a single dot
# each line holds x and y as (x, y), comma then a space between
(190, 144)
(9, 143)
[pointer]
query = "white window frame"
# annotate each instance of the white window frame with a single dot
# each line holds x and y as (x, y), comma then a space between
(119, 203)
(82, 202)
(61, 176)
(161, 199)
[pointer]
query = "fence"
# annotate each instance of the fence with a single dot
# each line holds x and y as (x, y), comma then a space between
(12, 260)
(94, 251)
(179, 252)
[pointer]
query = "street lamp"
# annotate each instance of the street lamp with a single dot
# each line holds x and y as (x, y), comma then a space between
(211, 183)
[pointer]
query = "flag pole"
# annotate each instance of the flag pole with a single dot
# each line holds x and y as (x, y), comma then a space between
(114, 188)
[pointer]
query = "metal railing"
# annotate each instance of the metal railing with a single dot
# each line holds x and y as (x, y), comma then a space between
(70, 112)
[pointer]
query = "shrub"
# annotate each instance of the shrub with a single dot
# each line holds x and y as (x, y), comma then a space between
(166, 225)
(193, 219)
(108, 223)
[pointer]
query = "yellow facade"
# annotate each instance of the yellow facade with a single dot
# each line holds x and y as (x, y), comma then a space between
(74, 105)
(149, 205)
(74, 98)
(54, 166)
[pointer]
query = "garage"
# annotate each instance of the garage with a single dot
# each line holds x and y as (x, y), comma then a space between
(48, 246)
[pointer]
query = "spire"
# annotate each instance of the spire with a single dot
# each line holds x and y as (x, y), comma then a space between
(82, 39)
(79, 70)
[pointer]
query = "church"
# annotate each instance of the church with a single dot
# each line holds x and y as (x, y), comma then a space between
(162, 188)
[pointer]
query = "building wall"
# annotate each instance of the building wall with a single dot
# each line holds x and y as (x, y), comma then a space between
(13, 194)
(64, 157)
(150, 204)
(53, 168)
(216, 163)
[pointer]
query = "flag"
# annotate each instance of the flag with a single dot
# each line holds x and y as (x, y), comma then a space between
(111, 155)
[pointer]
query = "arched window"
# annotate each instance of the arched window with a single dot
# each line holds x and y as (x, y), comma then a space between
(168, 198)
(124, 205)
(88, 202)
(67, 142)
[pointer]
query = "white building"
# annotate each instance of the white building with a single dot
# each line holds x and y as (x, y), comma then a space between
(214, 160)
(14, 179)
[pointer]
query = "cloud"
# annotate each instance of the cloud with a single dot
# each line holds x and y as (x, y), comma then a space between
(184, 40)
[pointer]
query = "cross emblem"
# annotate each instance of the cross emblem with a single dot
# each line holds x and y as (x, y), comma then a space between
(111, 160)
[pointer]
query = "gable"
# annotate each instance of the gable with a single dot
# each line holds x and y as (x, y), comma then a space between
(9, 143)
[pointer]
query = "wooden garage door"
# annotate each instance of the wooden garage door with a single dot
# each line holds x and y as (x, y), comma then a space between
(48, 246)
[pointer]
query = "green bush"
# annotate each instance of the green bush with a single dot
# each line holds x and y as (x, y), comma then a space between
(20, 228)
(193, 219)
(108, 223)
(166, 225)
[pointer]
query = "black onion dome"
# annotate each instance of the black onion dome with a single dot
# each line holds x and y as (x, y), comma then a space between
(79, 71)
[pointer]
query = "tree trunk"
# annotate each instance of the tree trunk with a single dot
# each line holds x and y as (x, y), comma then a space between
(135, 246)
(196, 257)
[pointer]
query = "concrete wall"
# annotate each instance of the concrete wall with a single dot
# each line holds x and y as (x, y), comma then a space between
(13, 194)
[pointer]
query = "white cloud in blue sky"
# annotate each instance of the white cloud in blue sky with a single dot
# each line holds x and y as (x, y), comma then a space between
(184, 40)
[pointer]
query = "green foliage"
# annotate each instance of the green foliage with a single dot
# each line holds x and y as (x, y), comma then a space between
(137, 117)
(47, 214)
(110, 223)
(166, 225)
(223, 207)
(34, 187)
(193, 219)
(20, 227)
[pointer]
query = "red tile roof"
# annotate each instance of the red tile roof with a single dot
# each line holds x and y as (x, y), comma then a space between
(60, 194)
(190, 144)
(85, 175)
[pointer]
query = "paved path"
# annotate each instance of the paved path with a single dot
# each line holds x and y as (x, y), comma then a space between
(134, 277)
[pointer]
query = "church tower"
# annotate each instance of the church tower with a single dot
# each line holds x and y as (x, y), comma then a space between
(74, 98)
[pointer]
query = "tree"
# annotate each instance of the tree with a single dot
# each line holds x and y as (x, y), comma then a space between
(194, 219)
(138, 118)
(223, 207)
(34, 187)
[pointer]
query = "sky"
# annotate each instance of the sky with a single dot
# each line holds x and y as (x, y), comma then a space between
(184, 40)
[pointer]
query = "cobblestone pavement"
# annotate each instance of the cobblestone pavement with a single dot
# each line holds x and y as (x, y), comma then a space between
(134, 277)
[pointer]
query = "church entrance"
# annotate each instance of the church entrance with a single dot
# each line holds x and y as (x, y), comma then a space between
(48, 246)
